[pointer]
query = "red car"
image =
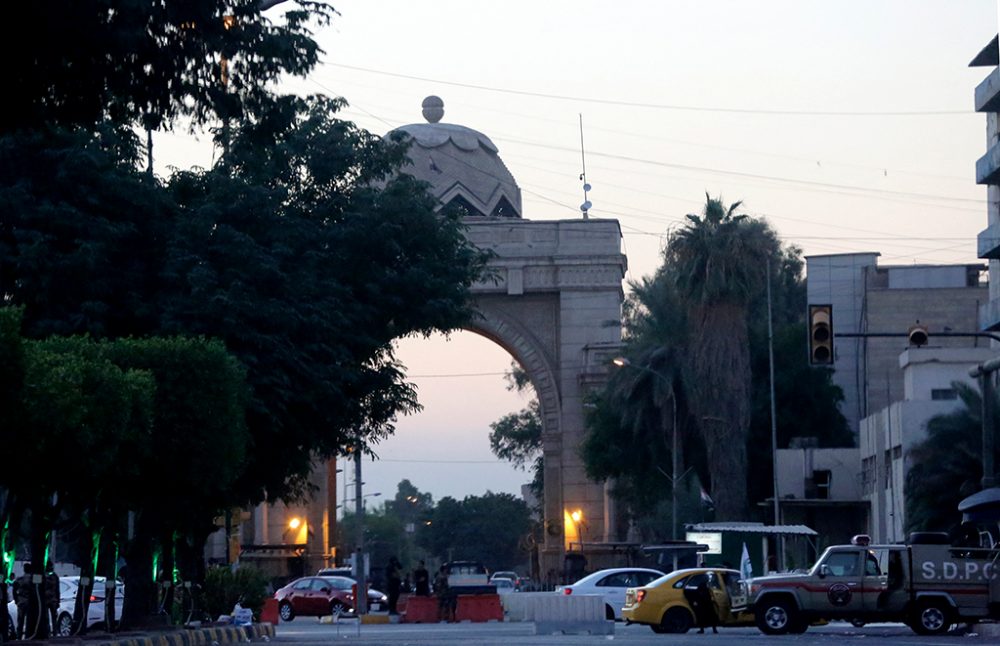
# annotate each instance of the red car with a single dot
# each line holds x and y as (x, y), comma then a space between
(318, 596)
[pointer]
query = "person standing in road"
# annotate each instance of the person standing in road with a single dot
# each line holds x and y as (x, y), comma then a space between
(446, 606)
(392, 583)
(699, 596)
(22, 597)
(421, 581)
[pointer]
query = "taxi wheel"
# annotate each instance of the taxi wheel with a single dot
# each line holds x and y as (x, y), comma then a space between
(675, 620)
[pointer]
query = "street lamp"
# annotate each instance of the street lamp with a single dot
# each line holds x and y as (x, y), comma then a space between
(623, 362)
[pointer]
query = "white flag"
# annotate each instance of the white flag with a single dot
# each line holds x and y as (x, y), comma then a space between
(746, 569)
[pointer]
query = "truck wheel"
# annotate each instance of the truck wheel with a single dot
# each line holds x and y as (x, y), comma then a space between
(676, 620)
(932, 617)
(776, 617)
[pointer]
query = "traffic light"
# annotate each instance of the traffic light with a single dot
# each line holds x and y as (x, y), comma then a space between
(917, 334)
(821, 335)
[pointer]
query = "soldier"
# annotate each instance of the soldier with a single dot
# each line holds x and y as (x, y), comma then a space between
(52, 598)
(22, 597)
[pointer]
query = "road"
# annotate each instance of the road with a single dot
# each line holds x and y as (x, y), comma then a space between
(306, 631)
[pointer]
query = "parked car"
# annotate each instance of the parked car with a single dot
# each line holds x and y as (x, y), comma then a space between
(663, 606)
(318, 596)
(337, 571)
(507, 574)
(68, 586)
(468, 577)
(503, 585)
(612, 584)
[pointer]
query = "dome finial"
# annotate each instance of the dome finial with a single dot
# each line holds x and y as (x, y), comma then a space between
(433, 108)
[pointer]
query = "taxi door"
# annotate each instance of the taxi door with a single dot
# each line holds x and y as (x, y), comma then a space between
(838, 588)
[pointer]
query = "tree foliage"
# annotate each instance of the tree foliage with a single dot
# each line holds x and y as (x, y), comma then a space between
(947, 466)
(490, 528)
(517, 437)
(82, 62)
(667, 320)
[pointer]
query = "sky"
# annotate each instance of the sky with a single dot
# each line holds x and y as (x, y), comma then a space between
(848, 126)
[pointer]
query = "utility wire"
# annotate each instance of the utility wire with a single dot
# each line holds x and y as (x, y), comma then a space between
(660, 106)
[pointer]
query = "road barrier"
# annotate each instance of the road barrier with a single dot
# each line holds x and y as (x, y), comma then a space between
(421, 610)
(552, 612)
(479, 608)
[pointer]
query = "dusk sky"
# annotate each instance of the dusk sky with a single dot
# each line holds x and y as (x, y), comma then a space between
(848, 125)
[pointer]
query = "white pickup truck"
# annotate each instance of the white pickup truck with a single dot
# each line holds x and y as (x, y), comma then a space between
(928, 584)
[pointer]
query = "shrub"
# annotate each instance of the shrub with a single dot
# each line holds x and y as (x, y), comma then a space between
(225, 587)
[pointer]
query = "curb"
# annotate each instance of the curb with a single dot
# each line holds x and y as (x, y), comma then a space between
(198, 636)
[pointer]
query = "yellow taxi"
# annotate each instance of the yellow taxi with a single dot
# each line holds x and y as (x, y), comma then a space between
(664, 605)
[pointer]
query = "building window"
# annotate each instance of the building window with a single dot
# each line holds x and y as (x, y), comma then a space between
(821, 480)
(943, 394)
(887, 461)
(868, 475)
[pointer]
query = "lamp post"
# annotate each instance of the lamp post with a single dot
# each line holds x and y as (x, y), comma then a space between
(623, 362)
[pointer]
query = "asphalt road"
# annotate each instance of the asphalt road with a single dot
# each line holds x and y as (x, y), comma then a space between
(307, 631)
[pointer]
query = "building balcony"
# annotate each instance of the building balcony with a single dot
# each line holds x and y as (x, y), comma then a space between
(988, 93)
(989, 316)
(988, 242)
(988, 166)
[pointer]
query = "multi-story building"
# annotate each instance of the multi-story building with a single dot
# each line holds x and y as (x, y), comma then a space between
(872, 299)
(987, 101)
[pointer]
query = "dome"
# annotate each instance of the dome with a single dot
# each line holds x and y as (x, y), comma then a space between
(461, 165)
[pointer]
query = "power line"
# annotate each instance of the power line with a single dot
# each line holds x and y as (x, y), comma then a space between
(661, 106)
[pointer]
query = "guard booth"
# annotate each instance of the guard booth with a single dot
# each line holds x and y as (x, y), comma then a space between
(764, 545)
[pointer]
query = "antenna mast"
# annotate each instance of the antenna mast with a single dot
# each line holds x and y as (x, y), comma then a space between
(585, 207)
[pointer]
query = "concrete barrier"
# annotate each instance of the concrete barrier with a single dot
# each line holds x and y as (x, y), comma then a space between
(479, 608)
(552, 612)
(421, 610)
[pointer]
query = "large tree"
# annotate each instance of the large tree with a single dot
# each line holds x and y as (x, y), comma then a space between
(81, 62)
(631, 425)
(492, 528)
(721, 264)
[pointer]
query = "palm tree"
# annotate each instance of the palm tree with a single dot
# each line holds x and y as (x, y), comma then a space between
(947, 466)
(720, 261)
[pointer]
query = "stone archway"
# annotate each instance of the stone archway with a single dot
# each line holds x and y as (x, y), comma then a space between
(553, 300)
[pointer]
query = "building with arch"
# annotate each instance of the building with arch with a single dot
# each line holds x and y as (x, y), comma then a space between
(552, 298)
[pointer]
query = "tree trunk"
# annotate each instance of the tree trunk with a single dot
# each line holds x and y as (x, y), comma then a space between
(37, 623)
(719, 384)
(141, 601)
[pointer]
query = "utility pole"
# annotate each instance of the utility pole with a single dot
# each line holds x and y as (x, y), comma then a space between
(984, 373)
(774, 424)
(361, 597)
